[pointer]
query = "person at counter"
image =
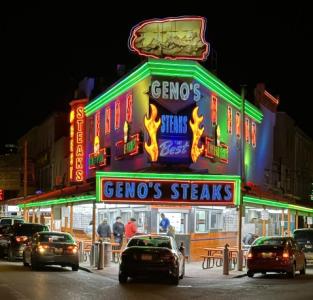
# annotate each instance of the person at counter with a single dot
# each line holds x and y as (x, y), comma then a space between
(164, 224)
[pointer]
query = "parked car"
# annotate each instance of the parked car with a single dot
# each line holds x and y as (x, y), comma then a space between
(275, 254)
(4, 221)
(51, 248)
(304, 238)
(151, 255)
(14, 240)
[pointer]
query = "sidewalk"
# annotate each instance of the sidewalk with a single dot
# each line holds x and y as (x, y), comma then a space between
(193, 270)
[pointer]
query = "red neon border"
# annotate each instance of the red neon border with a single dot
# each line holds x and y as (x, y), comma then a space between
(133, 36)
(158, 202)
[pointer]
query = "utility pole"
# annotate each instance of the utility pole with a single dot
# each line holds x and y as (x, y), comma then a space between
(25, 168)
(243, 179)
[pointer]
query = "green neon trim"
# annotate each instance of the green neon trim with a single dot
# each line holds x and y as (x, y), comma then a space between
(188, 69)
(58, 201)
(259, 201)
(169, 176)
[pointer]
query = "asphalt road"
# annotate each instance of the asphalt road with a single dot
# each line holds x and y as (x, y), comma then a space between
(18, 282)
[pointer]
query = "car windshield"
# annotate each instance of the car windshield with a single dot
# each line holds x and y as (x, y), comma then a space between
(269, 241)
(56, 238)
(30, 229)
(304, 235)
(150, 242)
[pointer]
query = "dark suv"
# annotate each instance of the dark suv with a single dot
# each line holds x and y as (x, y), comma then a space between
(304, 237)
(14, 241)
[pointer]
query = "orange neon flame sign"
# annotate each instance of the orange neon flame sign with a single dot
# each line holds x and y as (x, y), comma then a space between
(197, 133)
(152, 127)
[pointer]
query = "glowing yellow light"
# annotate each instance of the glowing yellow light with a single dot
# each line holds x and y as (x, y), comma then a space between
(72, 116)
(152, 127)
(96, 145)
(197, 133)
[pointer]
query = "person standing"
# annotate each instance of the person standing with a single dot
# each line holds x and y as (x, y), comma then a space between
(171, 231)
(104, 231)
(164, 224)
(130, 228)
(118, 231)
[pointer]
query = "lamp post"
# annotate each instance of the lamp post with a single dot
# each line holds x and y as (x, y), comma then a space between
(242, 175)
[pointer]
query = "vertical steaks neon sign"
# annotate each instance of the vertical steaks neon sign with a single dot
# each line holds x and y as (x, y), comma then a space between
(77, 140)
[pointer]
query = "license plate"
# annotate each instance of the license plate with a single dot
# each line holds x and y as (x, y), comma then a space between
(267, 254)
(146, 257)
(58, 250)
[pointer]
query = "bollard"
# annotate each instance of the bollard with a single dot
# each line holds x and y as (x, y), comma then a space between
(240, 260)
(226, 260)
(107, 254)
(81, 251)
(100, 256)
(95, 254)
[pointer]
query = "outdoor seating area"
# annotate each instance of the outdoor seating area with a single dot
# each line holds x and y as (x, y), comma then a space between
(214, 257)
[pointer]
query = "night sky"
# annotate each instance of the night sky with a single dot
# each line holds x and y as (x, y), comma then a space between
(47, 50)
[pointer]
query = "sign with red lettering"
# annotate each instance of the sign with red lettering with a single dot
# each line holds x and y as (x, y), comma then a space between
(1, 194)
(77, 140)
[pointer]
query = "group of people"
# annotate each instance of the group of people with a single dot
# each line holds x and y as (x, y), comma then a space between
(119, 230)
(129, 230)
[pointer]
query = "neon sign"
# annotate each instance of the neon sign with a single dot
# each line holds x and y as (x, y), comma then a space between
(77, 140)
(238, 125)
(129, 108)
(1, 195)
(165, 191)
(213, 110)
(253, 134)
(229, 119)
(197, 133)
(172, 38)
(175, 90)
(247, 130)
(100, 158)
(212, 151)
(128, 146)
(152, 127)
(107, 123)
(117, 114)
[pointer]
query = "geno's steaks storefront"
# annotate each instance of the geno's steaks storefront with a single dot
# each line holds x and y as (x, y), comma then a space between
(167, 138)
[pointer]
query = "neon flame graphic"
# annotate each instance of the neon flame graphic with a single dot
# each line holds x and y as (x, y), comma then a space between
(197, 133)
(152, 127)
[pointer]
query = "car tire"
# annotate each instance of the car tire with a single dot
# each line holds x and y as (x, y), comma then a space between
(34, 265)
(24, 261)
(10, 255)
(75, 268)
(303, 271)
(250, 274)
(183, 272)
(122, 277)
(292, 273)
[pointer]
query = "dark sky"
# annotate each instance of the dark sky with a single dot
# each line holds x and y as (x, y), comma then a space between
(46, 50)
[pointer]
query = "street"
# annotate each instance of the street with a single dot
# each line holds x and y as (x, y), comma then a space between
(19, 282)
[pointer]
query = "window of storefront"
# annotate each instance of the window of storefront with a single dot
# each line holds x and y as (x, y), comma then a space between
(208, 220)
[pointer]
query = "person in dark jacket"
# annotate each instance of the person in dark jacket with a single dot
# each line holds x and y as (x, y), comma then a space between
(118, 231)
(104, 231)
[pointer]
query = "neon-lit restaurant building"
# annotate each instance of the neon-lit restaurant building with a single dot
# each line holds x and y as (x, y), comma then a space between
(168, 138)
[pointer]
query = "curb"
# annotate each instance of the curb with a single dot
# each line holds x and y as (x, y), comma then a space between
(85, 269)
(240, 276)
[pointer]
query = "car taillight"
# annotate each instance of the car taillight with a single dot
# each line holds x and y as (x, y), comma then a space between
(167, 257)
(72, 249)
(21, 238)
(285, 254)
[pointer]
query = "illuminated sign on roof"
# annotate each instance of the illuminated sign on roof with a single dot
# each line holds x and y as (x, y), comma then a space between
(172, 38)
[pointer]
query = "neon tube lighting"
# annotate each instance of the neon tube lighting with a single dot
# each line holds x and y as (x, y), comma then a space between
(273, 203)
(58, 201)
(160, 67)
